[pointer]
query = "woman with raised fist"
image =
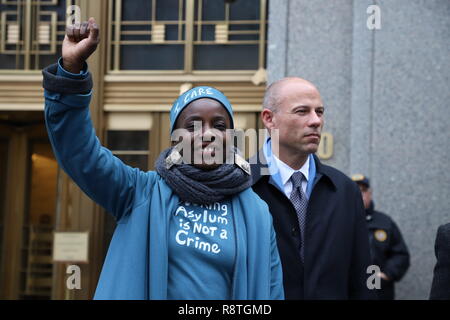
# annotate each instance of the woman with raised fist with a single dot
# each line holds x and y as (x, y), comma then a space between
(189, 230)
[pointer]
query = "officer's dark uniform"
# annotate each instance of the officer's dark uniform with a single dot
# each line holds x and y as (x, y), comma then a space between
(387, 247)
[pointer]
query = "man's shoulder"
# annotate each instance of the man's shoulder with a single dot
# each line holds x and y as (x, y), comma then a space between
(445, 228)
(442, 243)
(444, 231)
(339, 178)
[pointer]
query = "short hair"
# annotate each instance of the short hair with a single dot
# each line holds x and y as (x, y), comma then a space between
(271, 97)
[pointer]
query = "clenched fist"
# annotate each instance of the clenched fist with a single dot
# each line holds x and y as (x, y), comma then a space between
(80, 42)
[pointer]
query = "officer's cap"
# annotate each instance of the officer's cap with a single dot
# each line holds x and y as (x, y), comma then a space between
(361, 179)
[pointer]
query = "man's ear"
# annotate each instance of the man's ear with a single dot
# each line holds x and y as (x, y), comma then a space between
(267, 119)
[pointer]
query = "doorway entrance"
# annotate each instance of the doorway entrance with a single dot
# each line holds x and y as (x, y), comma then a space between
(28, 178)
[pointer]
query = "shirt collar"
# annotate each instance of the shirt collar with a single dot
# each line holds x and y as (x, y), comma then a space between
(286, 171)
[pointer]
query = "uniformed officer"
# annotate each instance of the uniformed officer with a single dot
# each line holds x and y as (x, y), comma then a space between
(387, 248)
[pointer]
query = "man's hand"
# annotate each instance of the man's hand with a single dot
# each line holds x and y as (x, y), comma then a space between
(383, 276)
(80, 42)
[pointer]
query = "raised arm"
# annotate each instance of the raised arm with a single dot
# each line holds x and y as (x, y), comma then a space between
(102, 176)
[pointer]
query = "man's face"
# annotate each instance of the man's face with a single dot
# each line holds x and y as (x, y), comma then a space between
(366, 195)
(298, 117)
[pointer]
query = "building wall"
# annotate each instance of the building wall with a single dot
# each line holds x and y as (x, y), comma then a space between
(386, 96)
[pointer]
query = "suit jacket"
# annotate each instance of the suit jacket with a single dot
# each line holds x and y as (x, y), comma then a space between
(336, 253)
(440, 288)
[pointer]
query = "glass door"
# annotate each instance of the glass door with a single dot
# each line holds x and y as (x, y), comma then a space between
(39, 222)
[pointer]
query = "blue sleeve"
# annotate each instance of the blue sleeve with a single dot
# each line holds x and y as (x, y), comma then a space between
(276, 282)
(101, 175)
(66, 74)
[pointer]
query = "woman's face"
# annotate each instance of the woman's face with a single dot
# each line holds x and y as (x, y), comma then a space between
(208, 139)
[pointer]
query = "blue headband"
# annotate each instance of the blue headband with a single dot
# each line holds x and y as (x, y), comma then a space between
(195, 94)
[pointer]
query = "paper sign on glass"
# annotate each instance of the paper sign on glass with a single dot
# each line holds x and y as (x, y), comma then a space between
(71, 247)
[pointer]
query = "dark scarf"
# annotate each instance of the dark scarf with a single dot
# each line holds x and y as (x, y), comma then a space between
(200, 186)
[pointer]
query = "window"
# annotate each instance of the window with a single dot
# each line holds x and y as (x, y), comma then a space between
(128, 137)
(177, 35)
(31, 33)
(187, 35)
(132, 147)
(227, 36)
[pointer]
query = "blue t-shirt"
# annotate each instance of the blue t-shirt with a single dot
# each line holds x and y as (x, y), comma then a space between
(201, 252)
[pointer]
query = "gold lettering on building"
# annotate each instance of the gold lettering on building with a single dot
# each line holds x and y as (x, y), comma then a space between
(325, 150)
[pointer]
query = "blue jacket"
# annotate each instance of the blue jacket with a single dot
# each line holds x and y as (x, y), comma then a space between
(136, 266)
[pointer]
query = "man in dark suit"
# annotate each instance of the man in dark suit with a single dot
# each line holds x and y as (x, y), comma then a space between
(440, 288)
(317, 210)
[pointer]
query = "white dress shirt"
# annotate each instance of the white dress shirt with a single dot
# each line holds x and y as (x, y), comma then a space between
(286, 172)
